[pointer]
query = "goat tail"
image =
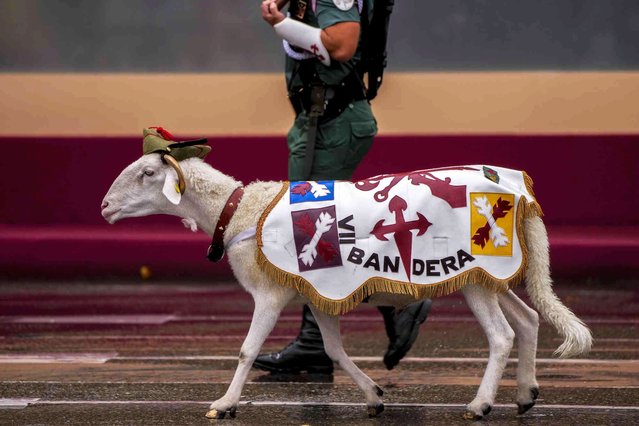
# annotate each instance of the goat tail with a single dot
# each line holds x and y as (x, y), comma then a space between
(577, 336)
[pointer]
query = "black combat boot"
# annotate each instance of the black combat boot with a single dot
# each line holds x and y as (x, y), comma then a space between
(402, 328)
(305, 353)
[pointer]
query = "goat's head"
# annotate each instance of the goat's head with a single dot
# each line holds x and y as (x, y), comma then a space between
(154, 183)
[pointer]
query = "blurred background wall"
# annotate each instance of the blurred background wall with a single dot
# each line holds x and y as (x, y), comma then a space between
(119, 65)
(215, 36)
(551, 87)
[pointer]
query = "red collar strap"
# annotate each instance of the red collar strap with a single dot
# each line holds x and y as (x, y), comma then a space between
(216, 249)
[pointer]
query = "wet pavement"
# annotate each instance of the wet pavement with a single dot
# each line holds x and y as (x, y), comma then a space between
(129, 353)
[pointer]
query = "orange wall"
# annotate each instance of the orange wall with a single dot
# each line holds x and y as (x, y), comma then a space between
(33, 104)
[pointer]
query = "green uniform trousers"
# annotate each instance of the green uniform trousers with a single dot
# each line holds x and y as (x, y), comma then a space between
(340, 144)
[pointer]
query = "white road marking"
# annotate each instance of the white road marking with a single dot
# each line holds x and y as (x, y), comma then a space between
(379, 359)
(59, 358)
(514, 360)
(227, 337)
(93, 358)
(16, 404)
(178, 358)
(328, 404)
(159, 319)
(607, 340)
(90, 319)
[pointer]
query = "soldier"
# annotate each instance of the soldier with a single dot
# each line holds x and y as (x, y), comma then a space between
(333, 130)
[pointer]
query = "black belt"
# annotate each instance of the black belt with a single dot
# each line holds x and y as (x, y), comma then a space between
(336, 98)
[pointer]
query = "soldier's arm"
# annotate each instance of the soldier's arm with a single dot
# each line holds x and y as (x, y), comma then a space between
(340, 40)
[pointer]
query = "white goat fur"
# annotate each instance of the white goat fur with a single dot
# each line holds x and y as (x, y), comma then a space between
(502, 316)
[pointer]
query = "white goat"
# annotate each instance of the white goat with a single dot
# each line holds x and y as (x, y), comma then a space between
(138, 191)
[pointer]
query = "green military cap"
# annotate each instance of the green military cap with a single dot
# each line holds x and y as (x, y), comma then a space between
(157, 139)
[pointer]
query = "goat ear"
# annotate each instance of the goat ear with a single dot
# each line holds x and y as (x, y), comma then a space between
(171, 188)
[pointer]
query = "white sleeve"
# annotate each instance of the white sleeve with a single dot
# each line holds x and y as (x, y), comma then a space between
(304, 36)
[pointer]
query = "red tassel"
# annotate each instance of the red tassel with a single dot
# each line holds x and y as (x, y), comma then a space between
(164, 133)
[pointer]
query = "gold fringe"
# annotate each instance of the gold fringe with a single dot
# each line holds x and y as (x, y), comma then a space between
(529, 183)
(533, 208)
(373, 285)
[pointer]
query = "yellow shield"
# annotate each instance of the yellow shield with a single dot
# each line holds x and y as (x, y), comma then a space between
(491, 223)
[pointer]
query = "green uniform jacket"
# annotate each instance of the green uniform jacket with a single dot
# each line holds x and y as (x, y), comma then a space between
(342, 142)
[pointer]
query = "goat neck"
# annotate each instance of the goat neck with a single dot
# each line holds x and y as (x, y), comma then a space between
(206, 197)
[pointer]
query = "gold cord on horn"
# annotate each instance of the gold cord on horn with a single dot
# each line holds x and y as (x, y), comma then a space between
(176, 166)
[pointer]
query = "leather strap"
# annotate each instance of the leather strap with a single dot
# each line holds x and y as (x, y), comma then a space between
(318, 98)
(216, 249)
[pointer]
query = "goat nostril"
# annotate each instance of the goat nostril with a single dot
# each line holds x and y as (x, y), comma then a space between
(105, 204)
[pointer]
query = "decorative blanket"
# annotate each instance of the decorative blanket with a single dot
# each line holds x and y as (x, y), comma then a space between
(424, 233)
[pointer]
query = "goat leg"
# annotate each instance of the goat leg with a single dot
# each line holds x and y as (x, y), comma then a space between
(267, 311)
(329, 326)
(525, 323)
(485, 307)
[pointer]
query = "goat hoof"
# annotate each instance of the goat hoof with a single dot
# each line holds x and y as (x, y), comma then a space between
(214, 414)
(375, 410)
(534, 392)
(220, 414)
(522, 408)
(486, 408)
(471, 415)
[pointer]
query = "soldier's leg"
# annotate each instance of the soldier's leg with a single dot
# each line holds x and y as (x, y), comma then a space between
(402, 328)
(339, 151)
(297, 140)
(335, 157)
(343, 142)
(306, 352)
(341, 145)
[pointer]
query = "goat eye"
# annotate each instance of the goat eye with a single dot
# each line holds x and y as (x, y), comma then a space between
(149, 172)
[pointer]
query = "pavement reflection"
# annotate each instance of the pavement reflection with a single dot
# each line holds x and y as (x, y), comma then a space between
(157, 353)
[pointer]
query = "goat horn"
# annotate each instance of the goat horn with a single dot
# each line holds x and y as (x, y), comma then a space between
(174, 164)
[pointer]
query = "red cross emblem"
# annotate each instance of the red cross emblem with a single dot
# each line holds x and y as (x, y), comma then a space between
(401, 230)
(315, 51)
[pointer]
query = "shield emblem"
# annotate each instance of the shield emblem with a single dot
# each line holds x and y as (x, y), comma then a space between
(491, 174)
